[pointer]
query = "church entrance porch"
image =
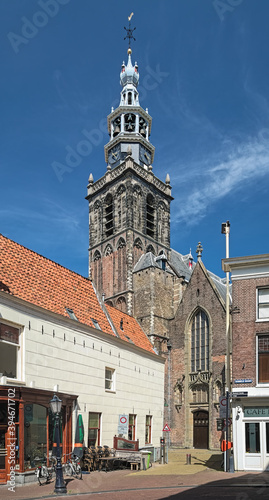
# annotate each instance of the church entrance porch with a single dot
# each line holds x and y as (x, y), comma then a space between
(200, 429)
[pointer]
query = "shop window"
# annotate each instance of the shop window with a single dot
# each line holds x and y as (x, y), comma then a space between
(263, 303)
(148, 429)
(263, 359)
(110, 376)
(200, 342)
(10, 352)
(94, 429)
(131, 428)
(252, 437)
(35, 434)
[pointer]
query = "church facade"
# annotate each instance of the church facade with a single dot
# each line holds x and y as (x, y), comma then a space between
(179, 304)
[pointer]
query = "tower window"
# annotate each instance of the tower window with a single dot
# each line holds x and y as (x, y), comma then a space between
(109, 216)
(129, 97)
(150, 216)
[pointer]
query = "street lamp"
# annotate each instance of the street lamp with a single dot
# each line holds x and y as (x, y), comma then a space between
(225, 229)
(56, 405)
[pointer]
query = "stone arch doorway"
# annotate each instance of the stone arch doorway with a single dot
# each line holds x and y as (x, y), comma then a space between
(200, 429)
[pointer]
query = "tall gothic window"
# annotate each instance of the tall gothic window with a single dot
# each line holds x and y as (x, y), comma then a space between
(109, 215)
(200, 342)
(150, 215)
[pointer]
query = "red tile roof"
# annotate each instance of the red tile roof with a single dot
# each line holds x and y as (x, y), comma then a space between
(128, 329)
(42, 282)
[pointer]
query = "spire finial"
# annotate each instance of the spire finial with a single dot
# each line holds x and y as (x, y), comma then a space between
(199, 251)
(129, 32)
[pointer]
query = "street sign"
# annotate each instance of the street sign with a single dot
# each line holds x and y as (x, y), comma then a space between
(222, 406)
(242, 394)
(166, 428)
(123, 425)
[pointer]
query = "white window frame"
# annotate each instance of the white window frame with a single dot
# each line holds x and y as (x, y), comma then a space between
(259, 303)
(110, 380)
(19, 353)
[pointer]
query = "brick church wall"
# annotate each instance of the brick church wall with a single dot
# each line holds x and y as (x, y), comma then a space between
(199, 294)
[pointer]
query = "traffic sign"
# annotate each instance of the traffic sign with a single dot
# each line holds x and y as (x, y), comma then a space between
(222, 406)
(166, 428)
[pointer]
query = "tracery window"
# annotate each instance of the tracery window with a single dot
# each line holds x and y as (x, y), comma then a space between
(200, 342)
(109, 223)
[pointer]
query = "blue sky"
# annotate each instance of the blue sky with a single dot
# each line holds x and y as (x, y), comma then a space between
(204, 76)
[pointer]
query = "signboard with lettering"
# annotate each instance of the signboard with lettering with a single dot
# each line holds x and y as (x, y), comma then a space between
(243, 381)
(242, 394)
(257, 411)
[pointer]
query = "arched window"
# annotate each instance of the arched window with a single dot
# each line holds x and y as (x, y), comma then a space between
(150, 222)
(200, 342)
(109, 225)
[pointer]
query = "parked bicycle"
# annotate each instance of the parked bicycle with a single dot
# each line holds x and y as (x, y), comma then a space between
(72, 466)
(45, 473)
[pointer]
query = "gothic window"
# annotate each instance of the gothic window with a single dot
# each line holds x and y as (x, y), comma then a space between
(96, 255)
(162, 227)
(200, 394)
(109, 223)
(121, 244)
(150, 216)
(150, 249)
(137, 208)
(108, 250)
(120, 205)
(200, 342)
(138, 244)
(121, 304)
(97, 225)
(129, 121)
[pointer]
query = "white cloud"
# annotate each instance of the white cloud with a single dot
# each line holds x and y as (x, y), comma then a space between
(232, 171)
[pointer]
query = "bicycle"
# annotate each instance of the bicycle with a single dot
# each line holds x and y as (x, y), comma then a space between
(72, 467)
(44, 473)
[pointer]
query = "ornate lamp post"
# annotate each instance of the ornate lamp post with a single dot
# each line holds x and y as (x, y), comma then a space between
(56, 405)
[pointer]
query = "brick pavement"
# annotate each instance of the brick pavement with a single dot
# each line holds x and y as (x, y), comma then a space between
(172, 477)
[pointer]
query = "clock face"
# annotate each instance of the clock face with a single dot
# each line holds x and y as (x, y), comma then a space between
(145, 156)
(114, 155)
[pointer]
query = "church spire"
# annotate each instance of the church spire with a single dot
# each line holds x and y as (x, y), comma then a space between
(129, 125)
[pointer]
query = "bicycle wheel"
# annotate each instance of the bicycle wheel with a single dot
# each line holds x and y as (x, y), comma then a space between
(68, 469)
(42, 475)
(78, 471)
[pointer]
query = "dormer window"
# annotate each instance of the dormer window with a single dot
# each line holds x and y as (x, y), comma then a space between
(96, 324)
(71, 313)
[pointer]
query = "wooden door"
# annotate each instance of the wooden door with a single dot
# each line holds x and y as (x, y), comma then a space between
(200, 429)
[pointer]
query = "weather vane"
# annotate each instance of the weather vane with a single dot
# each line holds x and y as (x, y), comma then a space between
(129, 30)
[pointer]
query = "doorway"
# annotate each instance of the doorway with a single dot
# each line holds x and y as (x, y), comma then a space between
(200, 429)
(3, 454)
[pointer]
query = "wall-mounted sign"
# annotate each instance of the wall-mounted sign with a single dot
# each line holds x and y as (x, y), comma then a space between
(243, 381)
(123, 425)
(257, 411)
(242, 394)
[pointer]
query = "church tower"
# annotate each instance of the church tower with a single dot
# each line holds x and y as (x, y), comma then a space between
(129, 207)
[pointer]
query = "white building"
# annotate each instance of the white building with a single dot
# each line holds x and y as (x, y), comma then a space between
(57, 336)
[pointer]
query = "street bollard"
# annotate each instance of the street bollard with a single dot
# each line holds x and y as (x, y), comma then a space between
(188, 459)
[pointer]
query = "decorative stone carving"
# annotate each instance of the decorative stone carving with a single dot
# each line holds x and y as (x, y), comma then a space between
(108, 250)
